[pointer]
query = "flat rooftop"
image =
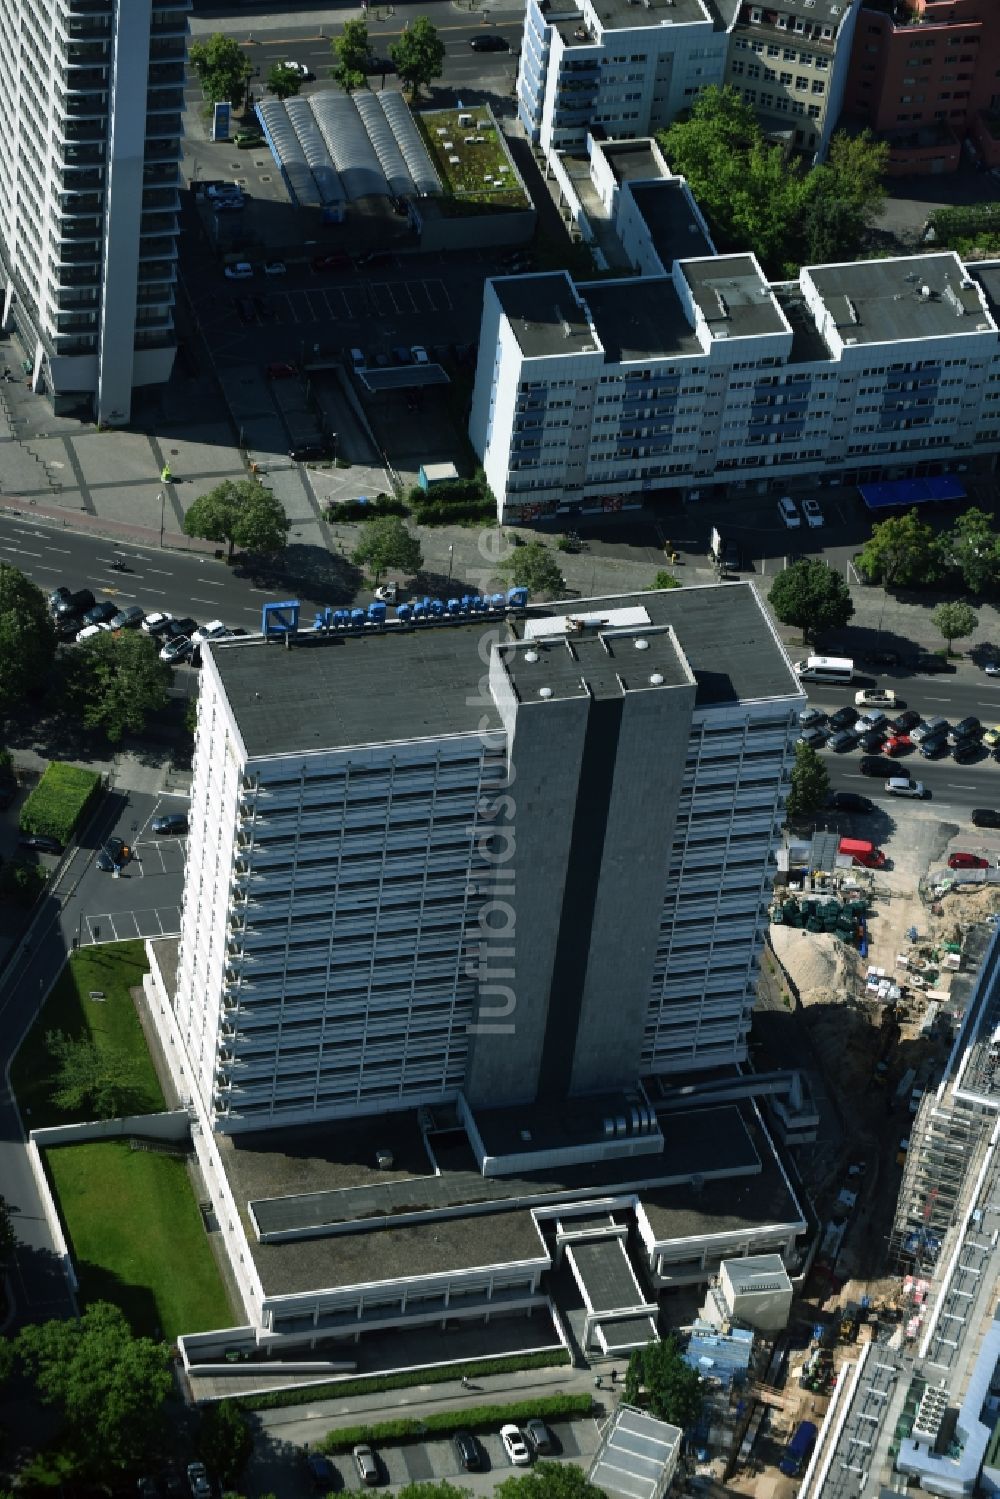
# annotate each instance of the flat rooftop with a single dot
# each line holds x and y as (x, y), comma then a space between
(628, 15)
(545, 315)
(631, 161)
(883, 301)
(733, 296)
(987, 273)
(600, 664)
(641, 320)
(672, 225)
(338, 691)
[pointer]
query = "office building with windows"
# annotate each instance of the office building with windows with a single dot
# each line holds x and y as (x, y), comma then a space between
(91, 99)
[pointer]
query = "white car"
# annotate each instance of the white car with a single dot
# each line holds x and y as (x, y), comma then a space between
(515, 1446)
(274, 267)
(297, 67)
(992, 668)
(241, 271)
(155, 624)
(789, 513)
(420, 354)
(875, 697)
(89, 631)
(211, 631)
(812, 513)
(903, 786)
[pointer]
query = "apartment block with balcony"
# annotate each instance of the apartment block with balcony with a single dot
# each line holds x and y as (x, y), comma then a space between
(91, 100)
(789, 59)
(925, 76)
(588, 395)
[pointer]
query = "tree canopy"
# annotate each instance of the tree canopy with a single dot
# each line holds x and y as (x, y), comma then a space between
(386, 543)
(812, 597)
(225, 1441)
(902, 551)
(755, 198)
(419, 54)
(547, 1480)
(350, 53)
(116, 681)
(971, 548)
(109, 1386)
(673, 1388)
(283, 81)
(27, 638)
(222, 68)
(98, 1079)
(242, 513)
(534, 567)
(810, 783)
(955, 620)
(664, 580)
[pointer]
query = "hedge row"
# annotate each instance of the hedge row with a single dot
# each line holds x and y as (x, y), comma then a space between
(446, 512)
(379, 1384)
(446, 1423)
(382, 504)
(966, 221)
(59, 801)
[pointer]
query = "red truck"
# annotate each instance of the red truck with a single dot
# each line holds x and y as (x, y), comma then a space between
(863, 852)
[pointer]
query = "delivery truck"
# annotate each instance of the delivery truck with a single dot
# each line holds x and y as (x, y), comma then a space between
(862, 852)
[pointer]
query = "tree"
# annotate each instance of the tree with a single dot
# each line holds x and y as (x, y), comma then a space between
(222, 68)
(673, 1388)
(100, 1080)
(418, 55)
(27, 639)
(812, 597)
(242, 513)
(664, 580)
(842, 198)
(351, 52)
(430, 1490)
(116, 681)
(283, 81)
(810, 783)
(972, 548)
(109, 1386)
(386, 543)
(225, 1441)
(901, 552)
(532, 566)
(955, 620)
(548, 1480)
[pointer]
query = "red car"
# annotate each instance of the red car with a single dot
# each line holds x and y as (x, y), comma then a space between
(967, 861)
(282, 371)
(339, 261)
(898, 744)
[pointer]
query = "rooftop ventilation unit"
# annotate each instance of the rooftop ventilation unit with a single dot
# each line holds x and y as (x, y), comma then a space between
(852, 311)
(722, 304)
(925, 292)
(954, 300)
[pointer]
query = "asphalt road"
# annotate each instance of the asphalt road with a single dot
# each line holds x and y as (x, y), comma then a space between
(89, 905)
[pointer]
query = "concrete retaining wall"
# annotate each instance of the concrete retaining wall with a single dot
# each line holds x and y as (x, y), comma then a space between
(168, 1126)
(51, 1213)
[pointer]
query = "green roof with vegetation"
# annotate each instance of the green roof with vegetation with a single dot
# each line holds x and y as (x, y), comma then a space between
(472, 161)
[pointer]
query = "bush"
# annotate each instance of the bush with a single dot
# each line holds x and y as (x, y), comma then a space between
(445, 1423)
(59, 801)
(383, 504)
(448, 512)
(21, 884)
(382, 1383)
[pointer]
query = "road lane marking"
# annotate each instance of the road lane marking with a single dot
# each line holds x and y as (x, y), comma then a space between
(43, 567)
(63, 550)
(161, 571)
(20, 552)
(196, 600)
(211, 583)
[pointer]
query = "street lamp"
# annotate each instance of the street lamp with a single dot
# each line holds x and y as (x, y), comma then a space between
(163, 499)
(451, 560)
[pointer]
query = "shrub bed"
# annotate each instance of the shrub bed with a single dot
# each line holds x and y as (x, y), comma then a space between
(381, 1383)
(382, 504)
(59, 801)
(446, 1423)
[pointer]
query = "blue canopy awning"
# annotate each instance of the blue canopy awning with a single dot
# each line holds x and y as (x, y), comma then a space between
(911, 491)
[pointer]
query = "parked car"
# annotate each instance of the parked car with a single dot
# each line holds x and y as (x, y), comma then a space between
(156, 624)
(324, 1475)
(40, 842)
(311, 452)
(198, 1483)
(931, 728)
(373, 258)
(844, 718)
(128, 618)
(966, 728)
(420, 354)
(281, 370)
(932, 665)
(873, 719)
(211, 631)
(89, 631)
(402, 354)
(812, 512)
(170, 822)
(113, 853)
(366, 1463)
(898, 744)
(338, 260)
(466, 1450)
(811, 716)
(539, 1437)
(872, 742)
(991, 737)
(274, 268)
(992, 668)
(245, 140)
(489, 41)
(904, 722)
(876, 765)
(813, 737)
(849, 801)
(967, 861)
(903, 786)
(875, 697)
(58, 599)
(985, 817)
(74, 603)
(241, 271)
(515, 1446)
(184, 626)
(101, 614)
(788, 512)
(176, 648)
(968, 750)
(932, 748)
(844, 739)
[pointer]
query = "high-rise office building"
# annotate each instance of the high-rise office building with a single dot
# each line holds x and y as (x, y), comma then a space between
(91, 100)
(506, 858)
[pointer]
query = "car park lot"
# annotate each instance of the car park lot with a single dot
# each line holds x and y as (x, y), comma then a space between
(351, 303)
(432, 1461)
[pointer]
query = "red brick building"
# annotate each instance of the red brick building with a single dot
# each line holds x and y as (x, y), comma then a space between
(925, 75)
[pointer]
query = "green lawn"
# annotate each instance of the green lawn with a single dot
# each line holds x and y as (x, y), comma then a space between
(137, 1238)
(111, 970)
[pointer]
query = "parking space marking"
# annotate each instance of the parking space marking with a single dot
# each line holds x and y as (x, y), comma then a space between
(440, 290)
(314, 315)
(356, 302)
(119, 926)
(289, 306)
